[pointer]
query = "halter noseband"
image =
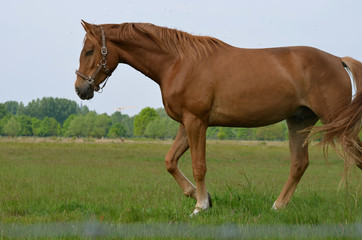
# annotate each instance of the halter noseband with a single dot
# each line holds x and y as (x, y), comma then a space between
(100, 65)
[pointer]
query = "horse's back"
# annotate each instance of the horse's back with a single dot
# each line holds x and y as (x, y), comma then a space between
(250, 84)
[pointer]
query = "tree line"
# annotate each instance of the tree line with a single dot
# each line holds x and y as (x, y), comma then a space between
(62, 117)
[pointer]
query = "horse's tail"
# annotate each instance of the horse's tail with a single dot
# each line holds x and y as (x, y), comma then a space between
(344, 125)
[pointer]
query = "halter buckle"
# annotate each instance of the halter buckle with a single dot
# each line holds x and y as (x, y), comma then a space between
(103, 62)
(104, 50)
(90, 81)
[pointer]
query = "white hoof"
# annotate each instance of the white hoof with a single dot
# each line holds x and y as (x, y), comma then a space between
(274, 206)
(196, 211)
(204, 206)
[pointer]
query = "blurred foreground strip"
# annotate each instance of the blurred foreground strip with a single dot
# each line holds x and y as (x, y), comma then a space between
(141, 230)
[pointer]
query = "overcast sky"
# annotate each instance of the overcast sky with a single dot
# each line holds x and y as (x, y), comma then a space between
(40, 41)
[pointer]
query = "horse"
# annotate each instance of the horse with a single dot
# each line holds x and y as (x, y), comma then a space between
(207, 82)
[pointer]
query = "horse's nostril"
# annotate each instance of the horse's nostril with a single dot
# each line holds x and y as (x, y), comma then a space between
(84, 92)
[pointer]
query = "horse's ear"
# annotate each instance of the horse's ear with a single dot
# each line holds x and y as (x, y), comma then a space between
(89, 28)
(91, 31)
(85, 25)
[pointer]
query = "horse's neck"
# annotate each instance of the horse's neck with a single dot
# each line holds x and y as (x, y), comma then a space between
(145, 56)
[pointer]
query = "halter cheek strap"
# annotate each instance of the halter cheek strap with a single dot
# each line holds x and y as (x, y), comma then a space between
(102, 64)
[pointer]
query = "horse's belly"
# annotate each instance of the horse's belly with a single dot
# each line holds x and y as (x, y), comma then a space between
(245, 120)
(252, 112)
(251, 98)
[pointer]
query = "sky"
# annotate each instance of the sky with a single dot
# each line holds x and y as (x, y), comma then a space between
(40, 41)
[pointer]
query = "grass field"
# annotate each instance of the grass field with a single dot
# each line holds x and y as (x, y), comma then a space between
(126, 183)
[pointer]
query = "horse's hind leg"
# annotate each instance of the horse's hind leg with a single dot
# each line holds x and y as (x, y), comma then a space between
(178, 148)
(299, 154)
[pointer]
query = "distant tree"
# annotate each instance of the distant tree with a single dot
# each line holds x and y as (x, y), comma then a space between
(35, 126)
(76, 127)
(156, 128)
(171, 128)
(101, 126)
(12, 127)
(88, 124)
(48, 127)
(3, 110)
(116, 117)
(4, 120)
(162, 128)
(63, 109)
(66, 124)
(262, 133)
(58, 108)
(229, 132)
(211, 132)
(12, 107)
(285, 132)
(26, 125)
(21, 109)
(83, 110)
(244, 133)
(221, 134)
(127, 122)
(161, 112)
(271, 133)
(117, 130)
(142, 119)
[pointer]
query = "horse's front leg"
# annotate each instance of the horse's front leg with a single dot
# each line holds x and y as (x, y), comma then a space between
(196, 134)
(179, 147)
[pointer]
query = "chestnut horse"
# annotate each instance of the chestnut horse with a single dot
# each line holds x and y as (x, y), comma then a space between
(206, 82)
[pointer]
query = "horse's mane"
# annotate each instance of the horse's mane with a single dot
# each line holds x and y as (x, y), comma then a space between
(177, 42)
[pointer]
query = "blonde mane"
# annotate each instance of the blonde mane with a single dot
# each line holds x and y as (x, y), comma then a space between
(176, 42)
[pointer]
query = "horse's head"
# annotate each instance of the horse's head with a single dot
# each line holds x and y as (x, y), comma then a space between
(96, 63)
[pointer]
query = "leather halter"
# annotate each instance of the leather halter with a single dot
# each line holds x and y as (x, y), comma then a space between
(102, 64)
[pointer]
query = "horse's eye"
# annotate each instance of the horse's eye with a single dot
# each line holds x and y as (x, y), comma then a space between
(89, 52)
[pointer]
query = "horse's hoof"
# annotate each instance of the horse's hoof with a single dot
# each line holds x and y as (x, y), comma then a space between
(210, 200)
(274, 207)
(199, 209)
(196, 212)
(279, 207)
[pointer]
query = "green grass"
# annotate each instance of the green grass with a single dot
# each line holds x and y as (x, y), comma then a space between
(127, 183)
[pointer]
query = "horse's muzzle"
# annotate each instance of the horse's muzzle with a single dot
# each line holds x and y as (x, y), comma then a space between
(85, 91)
